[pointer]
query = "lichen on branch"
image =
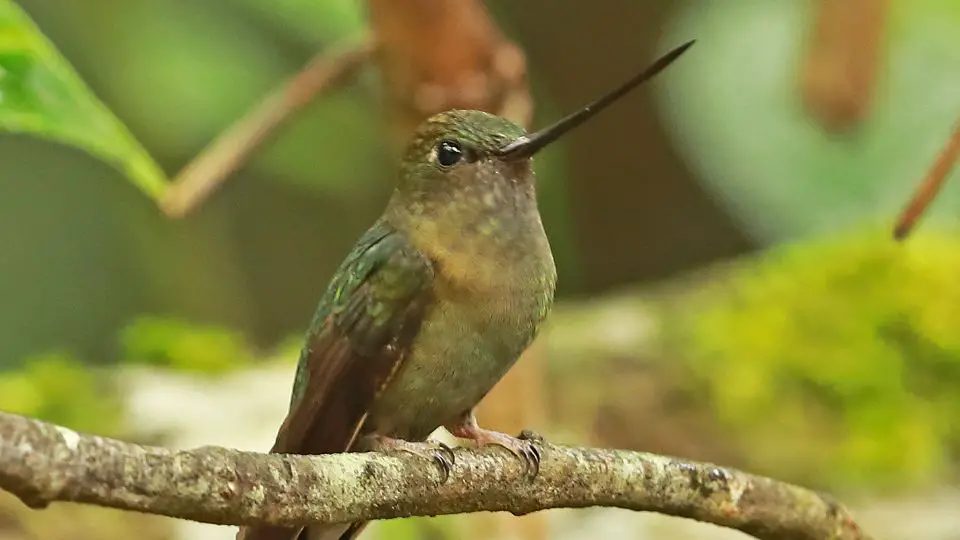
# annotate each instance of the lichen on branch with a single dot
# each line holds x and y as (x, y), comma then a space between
(43, 463)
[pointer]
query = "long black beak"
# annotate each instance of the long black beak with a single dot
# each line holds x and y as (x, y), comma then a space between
(529, 145)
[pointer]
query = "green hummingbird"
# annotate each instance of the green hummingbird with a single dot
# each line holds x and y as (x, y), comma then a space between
(434, 303)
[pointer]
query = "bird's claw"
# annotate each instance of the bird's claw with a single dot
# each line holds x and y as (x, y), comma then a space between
(444, 457)
(436, 451)
(524, 447)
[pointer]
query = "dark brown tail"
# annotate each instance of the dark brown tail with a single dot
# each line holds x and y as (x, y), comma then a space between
(266, 533)
(342, 531)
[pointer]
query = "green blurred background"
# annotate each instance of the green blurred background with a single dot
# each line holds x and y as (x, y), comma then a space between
(729, 289)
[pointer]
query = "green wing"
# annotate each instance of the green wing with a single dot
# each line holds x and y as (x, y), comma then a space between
(365, 324)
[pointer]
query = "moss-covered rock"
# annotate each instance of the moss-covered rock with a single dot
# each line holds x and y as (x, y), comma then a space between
(837, 361)
(184, 346)
(59, 388)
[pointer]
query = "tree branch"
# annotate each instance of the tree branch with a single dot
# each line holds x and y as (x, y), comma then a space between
(44, 463)
(843, 61)
(930, 186)
(228, 152)
(436, 55)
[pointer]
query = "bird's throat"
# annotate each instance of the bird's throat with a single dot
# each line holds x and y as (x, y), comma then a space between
(475, 237)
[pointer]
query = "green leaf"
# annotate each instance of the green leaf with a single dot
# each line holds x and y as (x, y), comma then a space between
(41, 95)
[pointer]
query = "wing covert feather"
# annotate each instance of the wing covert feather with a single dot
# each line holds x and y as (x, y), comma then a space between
(363, 327)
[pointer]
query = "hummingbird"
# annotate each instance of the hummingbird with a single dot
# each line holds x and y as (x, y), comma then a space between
(434, 303)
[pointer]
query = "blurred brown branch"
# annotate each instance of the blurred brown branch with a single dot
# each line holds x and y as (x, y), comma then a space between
(45, 463)
(434, 55)
(840, 69)
(437, 55)
(228, 152)
(930, 186)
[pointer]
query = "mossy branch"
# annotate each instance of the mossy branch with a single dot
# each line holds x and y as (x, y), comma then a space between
(42, 463)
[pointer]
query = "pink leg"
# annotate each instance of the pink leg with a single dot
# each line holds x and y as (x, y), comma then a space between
(466, 427)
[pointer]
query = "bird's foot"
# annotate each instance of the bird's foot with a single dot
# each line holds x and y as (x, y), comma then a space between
(436, 451)
(526, 446)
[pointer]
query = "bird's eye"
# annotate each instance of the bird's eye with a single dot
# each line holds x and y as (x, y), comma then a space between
(449, 153)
